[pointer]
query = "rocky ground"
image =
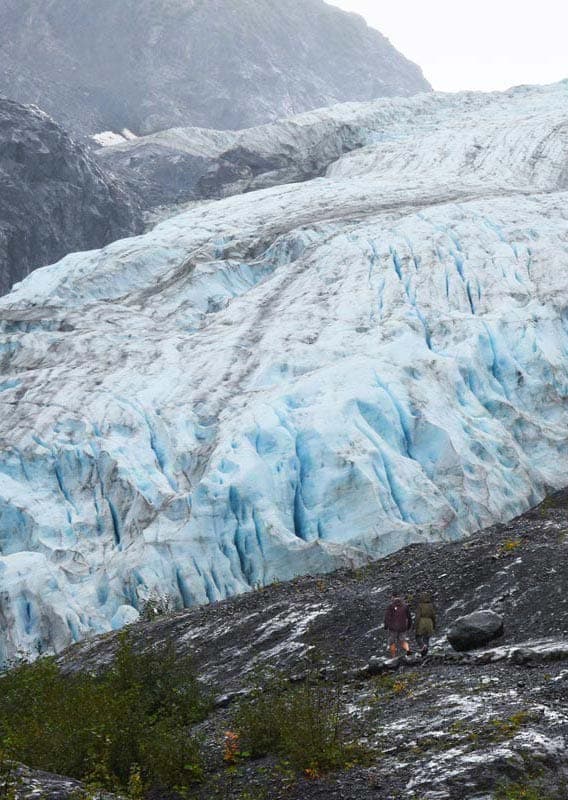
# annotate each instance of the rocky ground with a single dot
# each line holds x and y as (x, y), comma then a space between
(487, 724)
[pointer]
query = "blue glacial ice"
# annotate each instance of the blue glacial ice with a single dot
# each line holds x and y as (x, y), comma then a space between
(294, 379)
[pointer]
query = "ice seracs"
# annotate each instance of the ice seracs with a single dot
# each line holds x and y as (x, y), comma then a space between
(292, 379)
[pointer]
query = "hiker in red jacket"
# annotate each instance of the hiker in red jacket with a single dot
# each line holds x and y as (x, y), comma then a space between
(398, 622)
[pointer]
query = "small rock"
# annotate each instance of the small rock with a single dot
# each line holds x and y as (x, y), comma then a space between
(225, 700)
(378, 666)
(522, 655)
(475, 630)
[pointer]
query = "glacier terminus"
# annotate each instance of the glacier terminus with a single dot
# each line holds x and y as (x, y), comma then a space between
(293, 379)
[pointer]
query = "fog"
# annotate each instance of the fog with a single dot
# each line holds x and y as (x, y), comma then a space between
(489, 44)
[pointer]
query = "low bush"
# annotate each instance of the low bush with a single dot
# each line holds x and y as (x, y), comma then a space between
(134, 718)
(304, 724)
(509, 546)
(524, 791)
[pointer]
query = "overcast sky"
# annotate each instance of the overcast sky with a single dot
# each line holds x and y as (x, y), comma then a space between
(475, 44)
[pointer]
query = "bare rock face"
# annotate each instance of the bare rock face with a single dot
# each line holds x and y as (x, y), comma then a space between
(148, 66)
(188, 164)
(54, 198)
(29, 783)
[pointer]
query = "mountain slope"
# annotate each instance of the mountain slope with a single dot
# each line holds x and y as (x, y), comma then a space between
(147, 66)
(54, 198)
(186, 164)
(293, 379)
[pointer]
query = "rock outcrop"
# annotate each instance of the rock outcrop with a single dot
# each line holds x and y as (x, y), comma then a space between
(148, 66)
(187, 164)
(294, 379)
(54, 198)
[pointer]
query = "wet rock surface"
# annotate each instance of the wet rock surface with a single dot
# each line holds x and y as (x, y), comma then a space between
(457, 726)
(54, 198)
(475, 630)
(31, 783)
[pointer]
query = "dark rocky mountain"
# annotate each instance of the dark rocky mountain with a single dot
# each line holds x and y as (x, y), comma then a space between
(147, 65)
(54, 198)
(458, 726)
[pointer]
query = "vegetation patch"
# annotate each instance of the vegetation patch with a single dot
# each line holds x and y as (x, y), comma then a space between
(394, 685)
(303, 724)
(501, 729)
(128, 728)
(525, 791)
(509, 547)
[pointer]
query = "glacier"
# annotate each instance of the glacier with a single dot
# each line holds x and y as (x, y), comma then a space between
(295, 379)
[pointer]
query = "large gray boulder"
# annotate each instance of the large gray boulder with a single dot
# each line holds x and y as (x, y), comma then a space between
(475, 630)
(147, 65)
(54, 198)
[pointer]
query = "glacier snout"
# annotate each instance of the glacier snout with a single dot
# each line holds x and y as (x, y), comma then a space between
(290, 380)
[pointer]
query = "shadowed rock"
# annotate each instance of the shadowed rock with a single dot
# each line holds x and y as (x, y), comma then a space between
(54, 199)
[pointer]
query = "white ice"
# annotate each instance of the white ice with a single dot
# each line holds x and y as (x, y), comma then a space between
(293, 379)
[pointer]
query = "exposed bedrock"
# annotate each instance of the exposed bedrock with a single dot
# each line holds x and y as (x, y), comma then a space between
(54, 197)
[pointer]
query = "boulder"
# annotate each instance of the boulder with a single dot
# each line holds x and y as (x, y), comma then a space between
(475, 630)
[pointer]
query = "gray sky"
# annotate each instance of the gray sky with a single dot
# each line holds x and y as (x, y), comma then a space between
(480, 44)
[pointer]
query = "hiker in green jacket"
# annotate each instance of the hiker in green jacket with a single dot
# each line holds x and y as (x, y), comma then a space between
(425, 623)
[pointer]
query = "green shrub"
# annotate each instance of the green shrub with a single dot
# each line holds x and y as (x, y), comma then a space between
(101, 728)
(171, 756)
(304, 724)
(522, 791)
(509, 546)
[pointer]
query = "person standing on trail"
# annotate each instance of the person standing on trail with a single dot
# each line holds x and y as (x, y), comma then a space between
(398, 622)
(425, 623)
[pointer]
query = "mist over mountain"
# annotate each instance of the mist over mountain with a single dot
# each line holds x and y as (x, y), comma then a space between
(147, 65)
